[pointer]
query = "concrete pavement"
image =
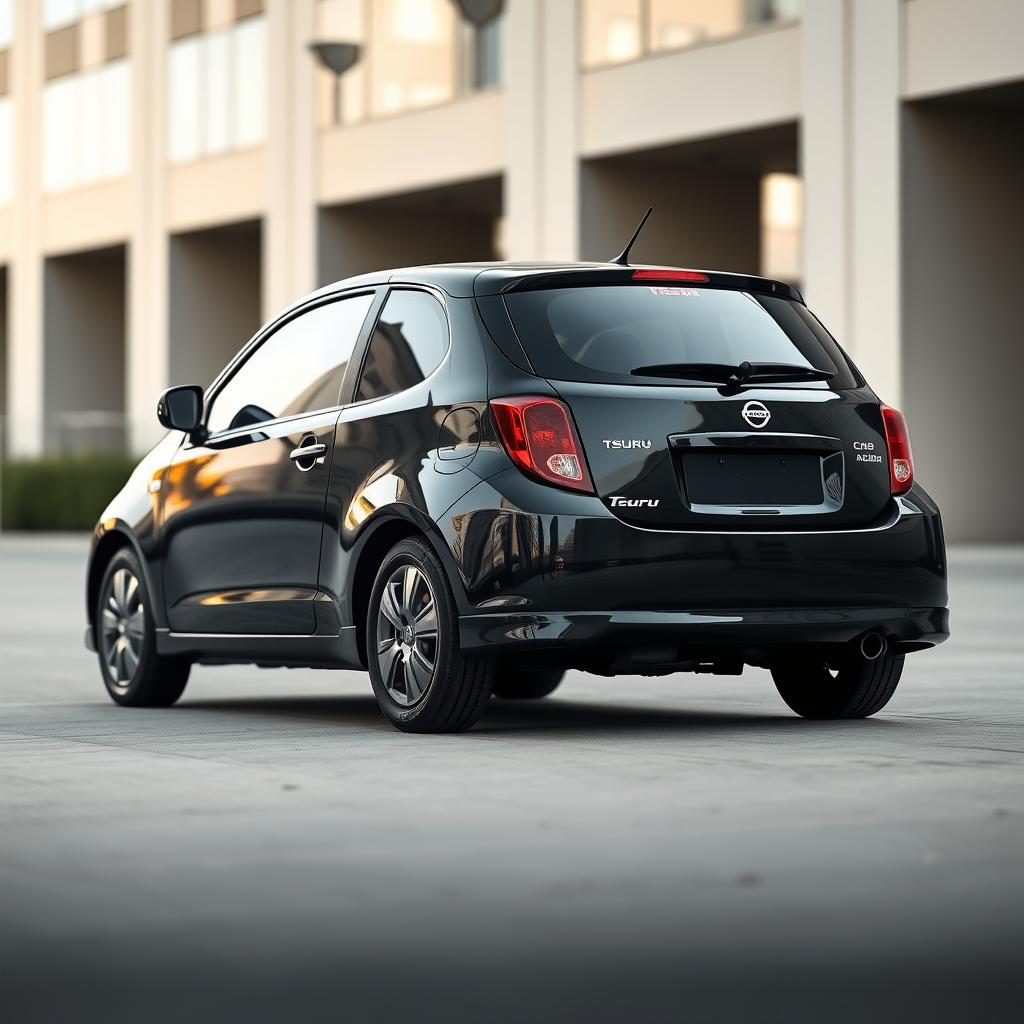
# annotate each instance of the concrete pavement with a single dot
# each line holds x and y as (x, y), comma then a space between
(629, 849)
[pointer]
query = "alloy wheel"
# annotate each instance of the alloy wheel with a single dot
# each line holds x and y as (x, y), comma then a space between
(407, 635)
(122, 628)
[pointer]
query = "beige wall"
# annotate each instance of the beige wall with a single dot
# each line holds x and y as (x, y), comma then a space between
(955, 44)
(457, 142)
(731, 86)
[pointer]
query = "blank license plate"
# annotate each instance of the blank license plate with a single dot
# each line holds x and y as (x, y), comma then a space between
(752, 478)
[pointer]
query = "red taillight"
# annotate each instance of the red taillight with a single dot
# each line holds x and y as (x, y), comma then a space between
(901, 461)
(693, 276)
(539, 437)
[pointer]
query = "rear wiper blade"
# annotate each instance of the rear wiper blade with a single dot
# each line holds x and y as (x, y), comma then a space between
(734, 376)
(777, 372)
(716, 373)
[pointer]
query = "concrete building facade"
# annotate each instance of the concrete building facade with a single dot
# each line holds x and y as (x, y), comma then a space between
(172, 172)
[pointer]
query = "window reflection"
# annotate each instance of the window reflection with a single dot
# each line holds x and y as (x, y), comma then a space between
(408, 344)
(614, 31)
(298, 369)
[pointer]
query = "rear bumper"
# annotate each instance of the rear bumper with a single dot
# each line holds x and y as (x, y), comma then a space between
(574, 574)
(911, 628)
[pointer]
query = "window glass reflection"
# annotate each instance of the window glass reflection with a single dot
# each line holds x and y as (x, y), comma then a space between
(298, 369)
(613, 31)
(408, 344)
(415, 54)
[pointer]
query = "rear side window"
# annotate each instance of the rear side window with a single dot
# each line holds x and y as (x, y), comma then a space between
(298, 369)
(407, 346)
(604, 333)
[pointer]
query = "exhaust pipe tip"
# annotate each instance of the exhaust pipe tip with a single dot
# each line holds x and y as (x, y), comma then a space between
(873, 646)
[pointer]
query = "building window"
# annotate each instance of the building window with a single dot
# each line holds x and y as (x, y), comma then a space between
(782, 227)
(415, 54)
(217, 91)
(87, 121)
(6, 105)
(6, 23)
(614, 31)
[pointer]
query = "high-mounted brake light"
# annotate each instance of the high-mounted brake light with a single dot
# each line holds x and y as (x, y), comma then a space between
(897, 440)
(539, 437)
(693, 276)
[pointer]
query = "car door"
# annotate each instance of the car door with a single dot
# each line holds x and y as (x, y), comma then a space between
(243, 511)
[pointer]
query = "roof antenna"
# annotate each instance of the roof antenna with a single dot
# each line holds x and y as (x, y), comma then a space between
(623, 258)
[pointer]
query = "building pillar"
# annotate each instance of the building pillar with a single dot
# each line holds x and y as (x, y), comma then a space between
(25, 277)
(876, 35)
(289, 227)
(541, 65)
(850, 164)
(824, 152)
(147, 355)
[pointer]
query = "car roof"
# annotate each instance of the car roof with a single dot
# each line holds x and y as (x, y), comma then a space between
(463, 280)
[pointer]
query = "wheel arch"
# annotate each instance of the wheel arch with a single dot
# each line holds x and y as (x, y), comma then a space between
(113, 540)
(388, 532)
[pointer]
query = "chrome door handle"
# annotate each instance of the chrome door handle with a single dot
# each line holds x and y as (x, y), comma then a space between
(309, 451)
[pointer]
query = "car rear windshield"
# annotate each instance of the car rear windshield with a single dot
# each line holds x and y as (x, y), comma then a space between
(604, 333)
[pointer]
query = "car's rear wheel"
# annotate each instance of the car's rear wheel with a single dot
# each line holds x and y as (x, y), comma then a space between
(849, 687)
(134, 674)
(512, 683)
(422, 681)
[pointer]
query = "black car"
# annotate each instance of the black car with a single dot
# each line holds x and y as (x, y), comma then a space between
(470, 478)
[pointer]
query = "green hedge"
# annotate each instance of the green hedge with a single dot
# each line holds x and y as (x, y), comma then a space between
(60, 492)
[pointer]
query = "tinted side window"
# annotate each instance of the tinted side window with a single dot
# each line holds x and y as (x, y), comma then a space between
(297, 369)
(408, 344)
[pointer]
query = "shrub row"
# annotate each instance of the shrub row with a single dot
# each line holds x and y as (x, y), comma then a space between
(60, 492)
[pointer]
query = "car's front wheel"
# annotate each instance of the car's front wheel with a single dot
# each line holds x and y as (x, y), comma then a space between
(134, 674)
(851, 687)
(422, 681)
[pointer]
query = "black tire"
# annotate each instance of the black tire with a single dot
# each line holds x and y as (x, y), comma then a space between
(512, 683)
(402, 636)
(133, 673)
(852, 687)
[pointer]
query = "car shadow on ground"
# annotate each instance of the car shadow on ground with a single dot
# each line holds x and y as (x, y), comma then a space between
(543, 716)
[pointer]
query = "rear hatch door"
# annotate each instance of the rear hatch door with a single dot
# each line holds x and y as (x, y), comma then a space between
(687, 458)
(709, 407)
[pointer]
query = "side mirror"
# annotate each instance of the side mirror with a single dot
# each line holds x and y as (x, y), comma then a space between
(181, 408)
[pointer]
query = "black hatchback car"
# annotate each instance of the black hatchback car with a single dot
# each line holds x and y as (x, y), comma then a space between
(470, 478)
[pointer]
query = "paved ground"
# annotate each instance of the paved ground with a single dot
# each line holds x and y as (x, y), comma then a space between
(632, 850)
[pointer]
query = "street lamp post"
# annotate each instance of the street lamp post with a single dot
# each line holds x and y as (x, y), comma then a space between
(479, 14)
(337, 58)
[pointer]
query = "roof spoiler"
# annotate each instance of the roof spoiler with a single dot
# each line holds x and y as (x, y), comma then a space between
(616, 274)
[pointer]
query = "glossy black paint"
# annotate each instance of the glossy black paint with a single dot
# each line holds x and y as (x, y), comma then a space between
(254, 555)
